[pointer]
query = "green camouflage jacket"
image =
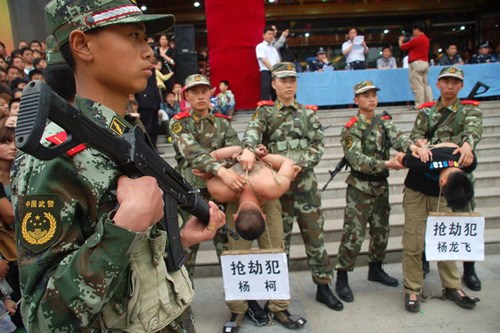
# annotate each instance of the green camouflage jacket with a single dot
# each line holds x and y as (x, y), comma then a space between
(292, 131)
(467, 127)
(368, 159)
(194, 138)
(72, 259)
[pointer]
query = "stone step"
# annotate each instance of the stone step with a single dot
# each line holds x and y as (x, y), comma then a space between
(207, 264)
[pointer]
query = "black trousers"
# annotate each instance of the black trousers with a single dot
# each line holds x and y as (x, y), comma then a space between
(266, 89)
(355, 65)
(149, 118)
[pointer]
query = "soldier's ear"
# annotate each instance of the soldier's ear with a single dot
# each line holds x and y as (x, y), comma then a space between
(79, 43)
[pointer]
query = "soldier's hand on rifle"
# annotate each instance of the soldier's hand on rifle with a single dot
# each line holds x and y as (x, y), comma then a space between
(141, 203)
(194, 231)
(466, 155)
(231, 179)
(247, 159)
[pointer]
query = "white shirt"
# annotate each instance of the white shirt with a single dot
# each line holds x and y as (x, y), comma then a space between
(268, 51)
(357, 52)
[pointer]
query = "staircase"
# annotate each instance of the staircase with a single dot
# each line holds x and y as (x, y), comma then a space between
(333, 199)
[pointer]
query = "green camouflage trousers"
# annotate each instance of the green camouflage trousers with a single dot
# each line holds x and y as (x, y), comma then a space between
(303, 202)
(362, 209)
(219, 240)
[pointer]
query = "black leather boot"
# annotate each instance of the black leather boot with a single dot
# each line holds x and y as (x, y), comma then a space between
(377, 274)
(342, 287)
(470, 278)
(324, 295)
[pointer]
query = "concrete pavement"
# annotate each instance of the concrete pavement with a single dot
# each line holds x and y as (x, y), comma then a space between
(376, 308)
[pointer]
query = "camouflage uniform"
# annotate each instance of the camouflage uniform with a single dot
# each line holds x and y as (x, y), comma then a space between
(463, 124)
(76, 267)
(367, 197)
(295, 132)
(194, 137)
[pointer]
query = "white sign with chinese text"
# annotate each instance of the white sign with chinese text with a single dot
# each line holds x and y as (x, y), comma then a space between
(454, 236)
(255, 276)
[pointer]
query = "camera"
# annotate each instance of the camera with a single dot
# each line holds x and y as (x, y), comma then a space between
(406, 35)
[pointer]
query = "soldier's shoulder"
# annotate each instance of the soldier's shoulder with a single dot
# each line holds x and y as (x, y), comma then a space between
(181, 115)
(311, 107)
(222, 116)
(470, 102)
(61, 137)
(265, 103)
(350, 123)
(426, 105)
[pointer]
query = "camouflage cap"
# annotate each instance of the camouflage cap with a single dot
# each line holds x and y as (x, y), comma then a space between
(195, 80)
(64, 16)
(284, 69)
(452, 71)
(53, 55)
(363, 86)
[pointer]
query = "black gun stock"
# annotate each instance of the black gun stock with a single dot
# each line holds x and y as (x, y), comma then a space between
(130, 152)
(474, 92)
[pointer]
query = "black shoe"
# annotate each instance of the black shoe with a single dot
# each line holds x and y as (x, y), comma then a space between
(233, 325)
(259, 316)
(377, 274)
(342, 287)
(286, 319)
(324, 295)
(410, 305)
(465, 301)
(470, 278)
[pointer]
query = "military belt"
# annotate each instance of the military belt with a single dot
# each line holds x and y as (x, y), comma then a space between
(376, 177)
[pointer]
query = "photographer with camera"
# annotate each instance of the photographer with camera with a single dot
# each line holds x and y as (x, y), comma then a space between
(418, 58)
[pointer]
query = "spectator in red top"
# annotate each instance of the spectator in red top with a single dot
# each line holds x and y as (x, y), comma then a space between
(418, 57)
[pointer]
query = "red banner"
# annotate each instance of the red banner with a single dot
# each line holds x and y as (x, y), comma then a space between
(234, 30)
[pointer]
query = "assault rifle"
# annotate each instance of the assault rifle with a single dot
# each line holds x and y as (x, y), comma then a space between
(342, 163)
(130, 152)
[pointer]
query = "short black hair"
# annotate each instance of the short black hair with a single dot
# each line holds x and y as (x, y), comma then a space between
(418, 25)
(386, 47)
(226, 82)
(34, 72)
(14, 100)
(268, 28)
(24, 49)
(450, 44)
(250, 224)
(458, 190)
(36, 41)
(16, 82)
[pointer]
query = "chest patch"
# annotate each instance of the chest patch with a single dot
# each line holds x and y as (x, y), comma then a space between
(41, 223)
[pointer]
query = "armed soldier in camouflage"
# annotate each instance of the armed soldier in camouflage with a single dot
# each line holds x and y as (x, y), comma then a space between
(445, 120)
(195, 134)
(366, 139)
(293, 130)
(88, 238)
